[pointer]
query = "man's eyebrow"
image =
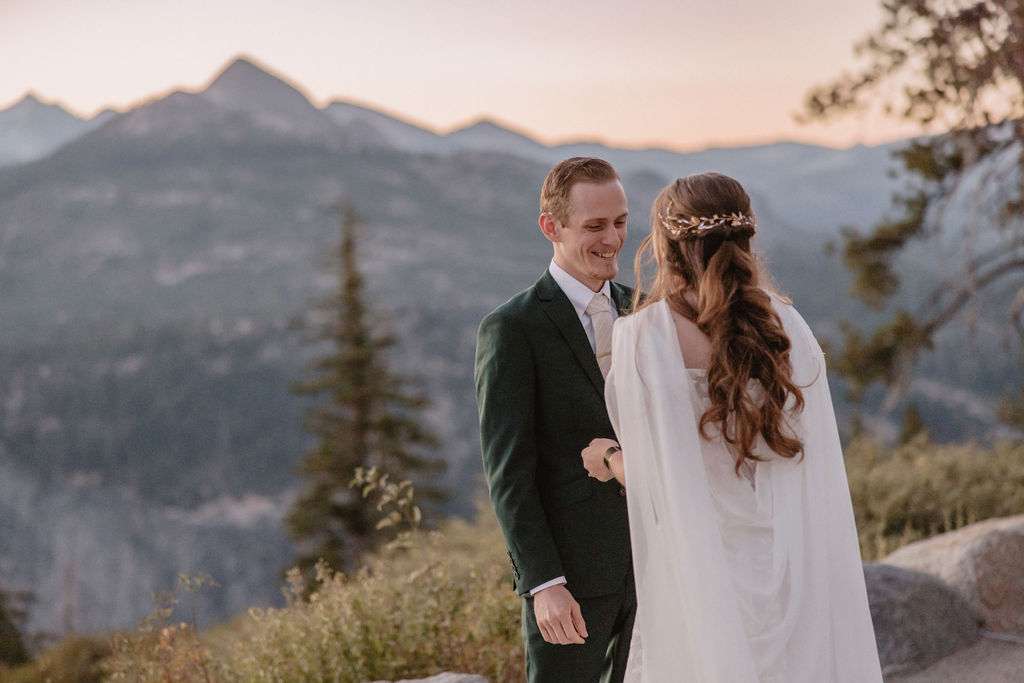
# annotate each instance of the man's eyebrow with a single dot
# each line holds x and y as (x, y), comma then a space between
(601, 218)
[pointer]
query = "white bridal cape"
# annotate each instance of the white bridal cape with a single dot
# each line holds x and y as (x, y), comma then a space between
(739, 579)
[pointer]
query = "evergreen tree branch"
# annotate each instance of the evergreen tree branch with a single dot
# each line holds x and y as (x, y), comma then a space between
(366, 418)
(959, 65)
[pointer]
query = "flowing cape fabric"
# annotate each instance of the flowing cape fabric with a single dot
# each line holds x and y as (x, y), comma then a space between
(737, 580)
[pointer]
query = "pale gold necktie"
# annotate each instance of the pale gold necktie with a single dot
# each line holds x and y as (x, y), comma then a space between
(600, 313)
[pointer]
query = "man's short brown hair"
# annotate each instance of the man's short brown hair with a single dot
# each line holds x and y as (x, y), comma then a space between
(554, 194)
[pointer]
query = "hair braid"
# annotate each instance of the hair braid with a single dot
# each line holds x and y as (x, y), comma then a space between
(749, 349)
(750, 377)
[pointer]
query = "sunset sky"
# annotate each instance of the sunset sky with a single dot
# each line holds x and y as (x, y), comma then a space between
(685, 74)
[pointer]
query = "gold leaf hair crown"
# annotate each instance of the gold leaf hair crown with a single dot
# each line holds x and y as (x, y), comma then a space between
(682, 227)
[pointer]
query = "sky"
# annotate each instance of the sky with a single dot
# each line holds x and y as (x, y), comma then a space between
(682, 74)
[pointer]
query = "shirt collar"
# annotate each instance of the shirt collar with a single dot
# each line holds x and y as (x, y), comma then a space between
(579, 294)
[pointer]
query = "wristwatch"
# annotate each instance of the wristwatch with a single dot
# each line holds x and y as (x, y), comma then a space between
(612, 450)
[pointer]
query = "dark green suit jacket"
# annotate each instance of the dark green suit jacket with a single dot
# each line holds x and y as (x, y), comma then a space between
(540, 395)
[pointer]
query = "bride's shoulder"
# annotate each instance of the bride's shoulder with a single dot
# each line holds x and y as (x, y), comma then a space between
(778, 300)
(800, 334)
(633, 328)
(645, 316)
(791, 319)
(783, 305)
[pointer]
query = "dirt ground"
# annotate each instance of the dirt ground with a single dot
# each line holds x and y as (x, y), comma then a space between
(987, 661)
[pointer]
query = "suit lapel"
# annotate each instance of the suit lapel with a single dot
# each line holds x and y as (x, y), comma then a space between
(559, 310)
(622, 297)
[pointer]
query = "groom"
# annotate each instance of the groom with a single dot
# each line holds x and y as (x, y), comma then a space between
(540, 394)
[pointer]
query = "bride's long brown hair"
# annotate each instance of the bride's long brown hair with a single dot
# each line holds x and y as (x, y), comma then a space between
(715, 269)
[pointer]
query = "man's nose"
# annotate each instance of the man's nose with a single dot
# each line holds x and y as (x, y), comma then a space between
(611, 236)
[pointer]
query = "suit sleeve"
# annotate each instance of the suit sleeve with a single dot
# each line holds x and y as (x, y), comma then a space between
(505, 391)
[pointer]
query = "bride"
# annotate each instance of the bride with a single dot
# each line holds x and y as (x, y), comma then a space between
(744, 546)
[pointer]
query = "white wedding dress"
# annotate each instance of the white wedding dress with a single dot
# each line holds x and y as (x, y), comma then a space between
(751, 578)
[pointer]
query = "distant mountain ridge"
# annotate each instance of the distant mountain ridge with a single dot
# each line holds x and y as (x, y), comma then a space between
(268, 101)
(31, 129)
(392, 130)
(151, 267)
(245, 85)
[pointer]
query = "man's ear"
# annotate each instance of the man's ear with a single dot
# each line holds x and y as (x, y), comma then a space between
(549, 225)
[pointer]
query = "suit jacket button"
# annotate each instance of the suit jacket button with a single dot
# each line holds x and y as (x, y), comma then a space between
(622, 490)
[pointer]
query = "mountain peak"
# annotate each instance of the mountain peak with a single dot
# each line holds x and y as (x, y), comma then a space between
(271, 100)
(488, 134)
(240, 80)
(30, 100)
(483, 123)
(242, 64)
(487, 125)
(32, 103)
(33, 128)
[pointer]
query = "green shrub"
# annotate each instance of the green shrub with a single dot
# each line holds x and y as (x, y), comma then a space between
(12, 646)
(430, 602)
(434, 601)
(163, 650)
(74, 660)
(438, 601)
(920, 489)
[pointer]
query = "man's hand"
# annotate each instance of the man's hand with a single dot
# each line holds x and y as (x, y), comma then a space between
(559, 616)
(593, 459)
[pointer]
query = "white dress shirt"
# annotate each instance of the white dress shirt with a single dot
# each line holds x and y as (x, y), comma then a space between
(580, 295)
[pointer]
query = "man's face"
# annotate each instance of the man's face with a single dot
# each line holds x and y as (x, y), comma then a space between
(587, 246)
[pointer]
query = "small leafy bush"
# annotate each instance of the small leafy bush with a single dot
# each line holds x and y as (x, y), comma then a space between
(429, 601)
(435, 603)
(920, 489)
(73, 660)
(163, 650)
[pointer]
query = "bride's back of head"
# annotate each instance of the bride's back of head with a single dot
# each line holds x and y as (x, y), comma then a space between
(701, 228)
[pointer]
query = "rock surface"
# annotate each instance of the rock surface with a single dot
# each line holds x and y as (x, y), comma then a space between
(987, 661)
(445, 677)
(918, 619)
(984, 562)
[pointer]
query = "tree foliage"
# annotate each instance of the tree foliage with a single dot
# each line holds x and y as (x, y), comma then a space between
(959, 68)
(366, 418)
(913, 426)
(12, 645)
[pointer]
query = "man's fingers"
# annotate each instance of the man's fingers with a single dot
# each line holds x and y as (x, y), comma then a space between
(559, 618)
(577, 621)
(563, 634)
(561, 631)
(549, 631)
(553, 635)
(573, 628)
(567, 626)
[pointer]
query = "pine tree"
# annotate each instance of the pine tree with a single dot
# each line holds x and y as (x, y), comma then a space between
(913, 425)
(959, 70)
(366, 418)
